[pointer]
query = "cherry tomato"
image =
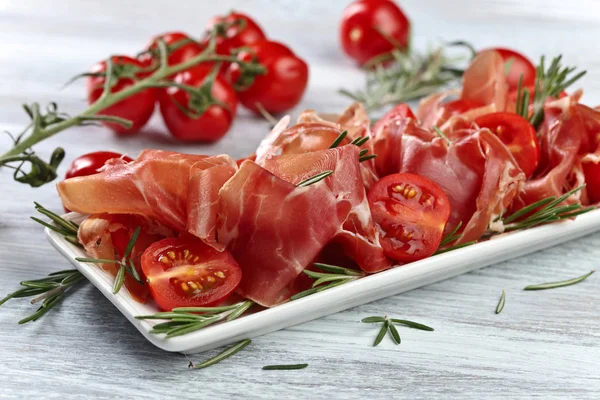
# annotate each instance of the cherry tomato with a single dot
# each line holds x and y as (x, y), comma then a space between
(137, 108)
(88, 164)
(181, 47)
(234, 30)
(517, 134)
(402, 110)
(188, 273)
(198, 123)
(592, 180)
(460, 106)
(284, 83)
(411, 213)
(520, 65)
(372, 27)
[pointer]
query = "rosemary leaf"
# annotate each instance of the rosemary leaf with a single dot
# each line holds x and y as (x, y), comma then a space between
(314, 179)
(552, 285)
(192, 327)
(500, 305)
(452, 236)
(304, 293)
(223, 355)
(211, 310)
(338, 140)
(338, 270)
(382, 332)
(284, 367)
(96, 260)
(372, 320)
(394, 333)
(119, 280)
(411, 324)
(458, 246)
(242, 309)
(367, 157)
(131, 242)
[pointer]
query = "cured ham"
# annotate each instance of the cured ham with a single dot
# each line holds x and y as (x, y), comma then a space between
(179, 190)
(475, 169)
(274, 228)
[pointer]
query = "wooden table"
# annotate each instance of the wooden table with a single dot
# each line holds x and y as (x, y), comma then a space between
(545, 343)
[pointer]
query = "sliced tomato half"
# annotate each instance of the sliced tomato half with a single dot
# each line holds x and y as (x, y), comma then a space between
(411, 213)
(517, 134)
(184, 272)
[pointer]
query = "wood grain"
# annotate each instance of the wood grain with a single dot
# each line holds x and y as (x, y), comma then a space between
(544, 344)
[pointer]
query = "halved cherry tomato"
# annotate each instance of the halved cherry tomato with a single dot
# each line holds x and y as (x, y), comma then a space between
(188, 273)
(592, 180)
(410, 212)
(137, 108)
(373, 27)
(402, 110)
(88, 164)
(517, 134)
(200, 121)
(234, 30)
(520, 65)
(459, 106)
(284, 83)
(181, 48)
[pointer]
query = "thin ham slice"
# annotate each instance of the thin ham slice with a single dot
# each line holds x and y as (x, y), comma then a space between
(274, 228)
(475, 169)
(179, 190)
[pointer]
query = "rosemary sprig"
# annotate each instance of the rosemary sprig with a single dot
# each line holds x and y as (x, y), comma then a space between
(284, 367)
(50, 291)
(412, 76)
(332, 277)
(452, 236)
(338, 140)
(316, 178)
(221, 356)
(544, 211)
(58, 224)
(501, 303)
(126, 264)
(388, 326)
(456, 247)
(190, 319)
(549, 83)
(552, 285)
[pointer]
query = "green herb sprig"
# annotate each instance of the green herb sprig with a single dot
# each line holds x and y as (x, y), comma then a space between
(388, 326)
(501, 302)
(183, 320)
(221, 356)
(284, 367)
(316, 178)
(331, 277)
(554, 285)
(126, 264)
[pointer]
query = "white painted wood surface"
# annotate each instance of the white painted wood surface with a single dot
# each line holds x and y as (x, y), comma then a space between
(544, 343)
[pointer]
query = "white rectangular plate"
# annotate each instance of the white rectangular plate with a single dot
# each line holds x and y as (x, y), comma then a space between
(365, 290)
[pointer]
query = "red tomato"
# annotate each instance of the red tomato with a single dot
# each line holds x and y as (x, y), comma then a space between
(367, 27)
(137, 108)
(517, 134)
(211, 123)
(592, 180)
(284, 83)
(519, 66)
(401, 110)
(411, 213)
(241, 31)
(460, 106)
(89, 163)
(181, 47)
(188, 273)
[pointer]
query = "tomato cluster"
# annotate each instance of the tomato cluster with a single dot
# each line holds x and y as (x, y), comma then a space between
(202, 102)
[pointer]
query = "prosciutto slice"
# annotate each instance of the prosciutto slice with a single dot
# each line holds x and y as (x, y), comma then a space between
(475, 169)
(274, 228)
(178, 190)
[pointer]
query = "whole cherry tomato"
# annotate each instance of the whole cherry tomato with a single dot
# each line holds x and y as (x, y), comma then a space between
(519, 65)
(137, 108)
(283, 84)
(180, 46)
(88, 164)
(373, 27)
(234, 30)
(184, 272)
(205, 115)
(411, 213)
(517, 134)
